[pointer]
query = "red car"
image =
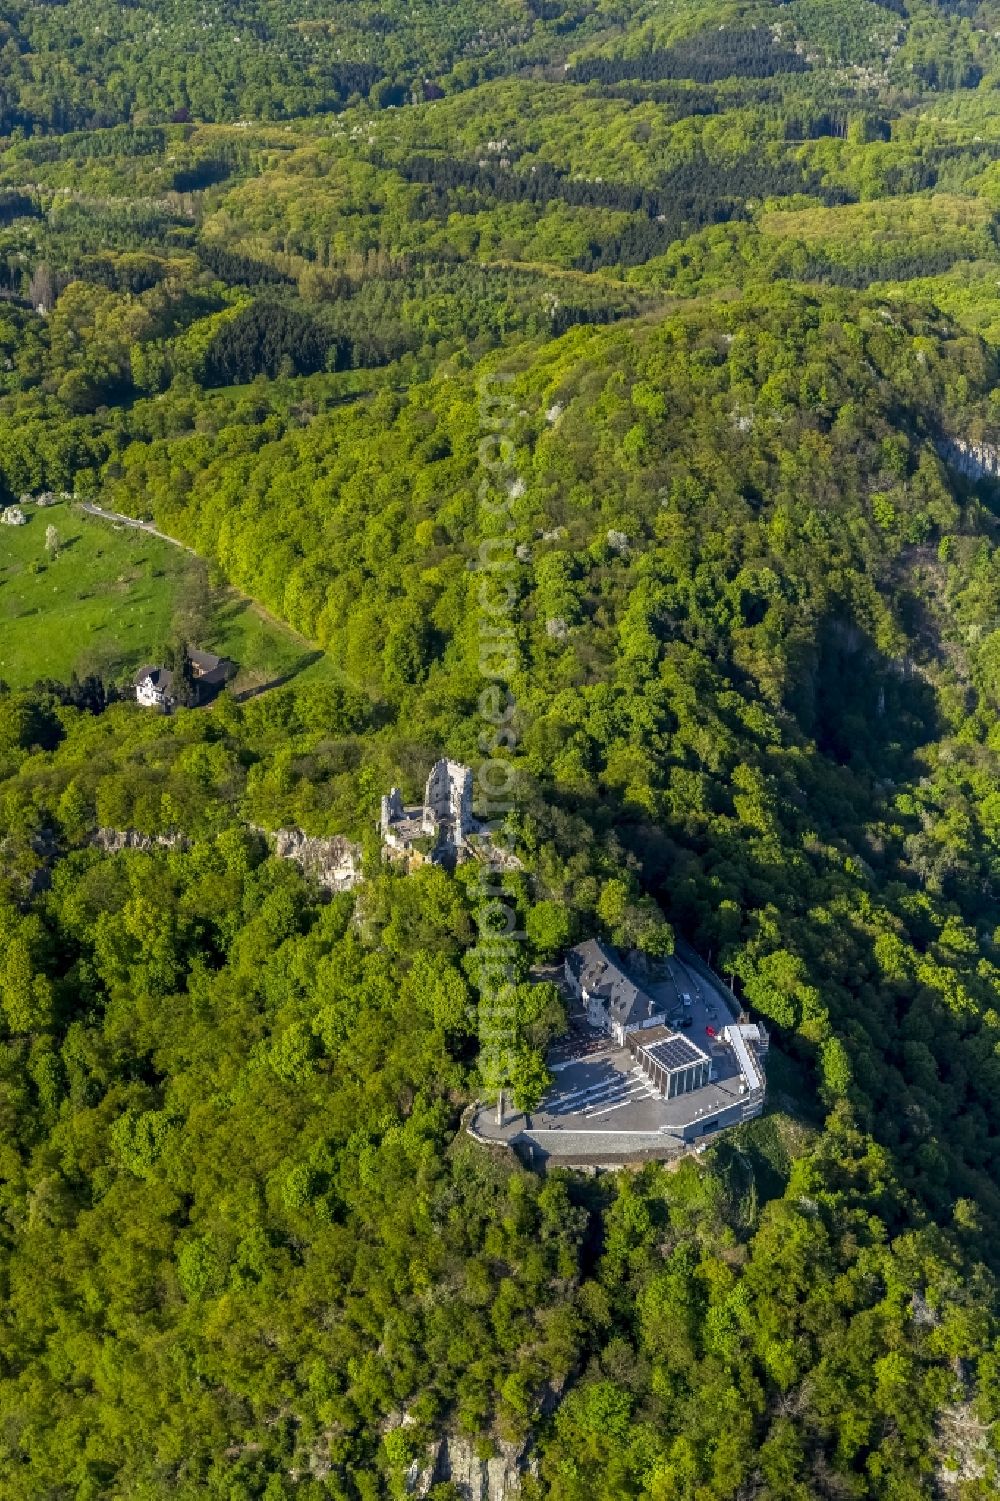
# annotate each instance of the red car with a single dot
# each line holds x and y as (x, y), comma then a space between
(710, 1031)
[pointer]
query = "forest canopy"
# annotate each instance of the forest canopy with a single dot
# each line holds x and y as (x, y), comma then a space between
(724, 280)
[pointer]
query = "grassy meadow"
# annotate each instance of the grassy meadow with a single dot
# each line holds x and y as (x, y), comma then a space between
(109, 598)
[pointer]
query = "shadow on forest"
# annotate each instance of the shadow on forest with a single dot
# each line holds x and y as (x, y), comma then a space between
(864, 710)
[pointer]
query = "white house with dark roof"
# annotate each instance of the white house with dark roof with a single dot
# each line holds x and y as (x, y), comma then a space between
(154, 686)
(612, 999)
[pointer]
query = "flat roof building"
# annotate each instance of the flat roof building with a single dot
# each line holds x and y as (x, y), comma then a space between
(672, 1062)
(677, 1062)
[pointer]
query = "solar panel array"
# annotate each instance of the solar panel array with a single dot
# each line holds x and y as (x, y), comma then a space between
(675, 1052)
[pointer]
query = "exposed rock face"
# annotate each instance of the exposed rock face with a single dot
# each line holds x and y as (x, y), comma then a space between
(973, 460)
(963, 1447)
(475, 1479)
(112, 841)
(334, 864)
(478, 1479)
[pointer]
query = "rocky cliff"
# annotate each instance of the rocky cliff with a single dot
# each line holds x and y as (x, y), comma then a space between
(474, 1478)
(334, 864)
(112, 841)
(975, 461)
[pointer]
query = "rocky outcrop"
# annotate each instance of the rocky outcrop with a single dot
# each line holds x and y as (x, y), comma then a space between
(974, 461)
(475, 1479)
(334, 864)
(963, 1448)
(113, 841)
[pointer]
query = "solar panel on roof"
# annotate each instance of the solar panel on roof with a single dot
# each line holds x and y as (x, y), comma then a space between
(675, 1052)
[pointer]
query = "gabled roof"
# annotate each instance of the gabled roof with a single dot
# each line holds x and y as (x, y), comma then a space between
(205, 661)
(601, 973)
(160, 677)
(214, 675)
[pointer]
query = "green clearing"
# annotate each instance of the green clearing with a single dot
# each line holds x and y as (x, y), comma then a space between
(266, 651)
(110, 599)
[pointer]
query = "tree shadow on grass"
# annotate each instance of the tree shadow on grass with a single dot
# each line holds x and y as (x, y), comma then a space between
(306, 660)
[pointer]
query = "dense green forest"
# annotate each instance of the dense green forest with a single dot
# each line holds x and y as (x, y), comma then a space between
(719, 282)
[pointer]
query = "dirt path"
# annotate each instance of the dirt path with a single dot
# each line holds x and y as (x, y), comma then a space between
(139, 526)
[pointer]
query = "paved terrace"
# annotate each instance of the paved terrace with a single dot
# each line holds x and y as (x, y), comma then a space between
(603, 1108)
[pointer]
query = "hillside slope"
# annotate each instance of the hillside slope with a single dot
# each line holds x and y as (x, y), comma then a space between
(611, 392)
